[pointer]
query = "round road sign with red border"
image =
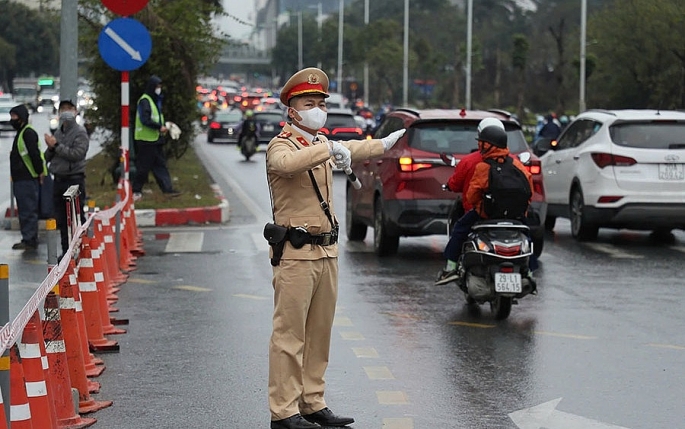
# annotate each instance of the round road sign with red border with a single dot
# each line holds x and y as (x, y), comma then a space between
(125, 7)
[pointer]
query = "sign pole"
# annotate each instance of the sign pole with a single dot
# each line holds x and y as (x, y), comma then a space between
(125, 144)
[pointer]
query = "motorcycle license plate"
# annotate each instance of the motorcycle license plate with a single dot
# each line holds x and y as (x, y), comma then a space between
(268, 128)
(508, 282)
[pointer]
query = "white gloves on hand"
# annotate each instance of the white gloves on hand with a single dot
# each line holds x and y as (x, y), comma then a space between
(174, 130)
(341, 154)
(392, 138)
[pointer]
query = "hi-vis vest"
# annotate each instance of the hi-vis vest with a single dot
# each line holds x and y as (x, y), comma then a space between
(24, 153)
(142, 132)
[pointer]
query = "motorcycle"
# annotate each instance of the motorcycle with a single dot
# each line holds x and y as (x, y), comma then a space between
(248, 146)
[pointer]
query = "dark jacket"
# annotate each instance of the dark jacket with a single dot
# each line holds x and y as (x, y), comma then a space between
(69, 156)
(144, 111)
(18, 169)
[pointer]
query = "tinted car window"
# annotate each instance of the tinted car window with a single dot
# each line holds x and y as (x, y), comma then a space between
(228, 116)
(268, 117)
(651, 135)
(389, 125)
(458, 137)
(335, 120)
(578, 132)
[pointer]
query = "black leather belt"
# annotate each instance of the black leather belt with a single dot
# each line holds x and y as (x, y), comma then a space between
(326, 239)
(63, 178)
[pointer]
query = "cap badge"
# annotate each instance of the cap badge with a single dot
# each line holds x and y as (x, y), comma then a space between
(312, 79)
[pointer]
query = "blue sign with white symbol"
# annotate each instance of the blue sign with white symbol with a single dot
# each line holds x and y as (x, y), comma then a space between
(125, 44)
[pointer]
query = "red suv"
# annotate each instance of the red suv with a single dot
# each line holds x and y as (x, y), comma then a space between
(401, 193)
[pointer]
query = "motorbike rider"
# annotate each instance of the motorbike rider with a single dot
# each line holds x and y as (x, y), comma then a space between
(249, 128)
(492, 144)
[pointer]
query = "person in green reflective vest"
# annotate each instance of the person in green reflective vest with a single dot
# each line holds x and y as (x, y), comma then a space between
(149, 139)
(27, 168)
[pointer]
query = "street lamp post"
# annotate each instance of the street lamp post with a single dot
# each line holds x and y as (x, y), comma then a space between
(583, 35)
(405, 74)
(340, 45)
(319, 21)
(469, 43)
(366, 63)
(300, 62)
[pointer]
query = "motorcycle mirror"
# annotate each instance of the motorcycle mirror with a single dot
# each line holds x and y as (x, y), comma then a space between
(524, 157)
(448, 159)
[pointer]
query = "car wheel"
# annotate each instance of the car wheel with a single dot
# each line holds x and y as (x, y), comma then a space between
(662, 235)
(356, 231)
(581, 229)
(549, 223)
(210, 139)
(383, 243)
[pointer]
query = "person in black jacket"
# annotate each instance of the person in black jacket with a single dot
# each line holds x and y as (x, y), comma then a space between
(27, 168)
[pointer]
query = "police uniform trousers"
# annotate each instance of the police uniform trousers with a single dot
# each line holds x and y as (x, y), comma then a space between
(305, 294)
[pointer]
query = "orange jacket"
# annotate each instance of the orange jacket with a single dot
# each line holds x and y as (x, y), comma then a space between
(479, 182)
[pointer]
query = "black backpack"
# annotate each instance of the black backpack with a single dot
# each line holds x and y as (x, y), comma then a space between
(508, 192)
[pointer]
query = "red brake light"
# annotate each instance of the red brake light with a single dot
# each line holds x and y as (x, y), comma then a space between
(462, 113)
(534, 167)
(609, 199)
(507, 251)
(347, 130)
(506, 269)
(407, 164)
(325, 131)
(605, 159)
(282, 123)
(215, 125)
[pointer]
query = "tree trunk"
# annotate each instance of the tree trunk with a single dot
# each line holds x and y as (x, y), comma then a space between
(498, 77)
(456, 93)
(558, 35)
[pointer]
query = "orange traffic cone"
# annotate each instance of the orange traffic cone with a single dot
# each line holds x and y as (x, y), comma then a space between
(35, 319)
(67, 417)
(107, 327)
(42, 408)
(91, 304)
(3, 416)
(77, 371)
(94, 365)
(116, 274)
(20, 410)
(99, 234)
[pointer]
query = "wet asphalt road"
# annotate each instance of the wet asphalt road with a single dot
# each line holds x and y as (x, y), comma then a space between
(604, 337)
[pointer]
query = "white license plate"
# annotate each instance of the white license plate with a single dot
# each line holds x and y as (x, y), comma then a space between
(268, 127)
(508, 282)
(671, 172)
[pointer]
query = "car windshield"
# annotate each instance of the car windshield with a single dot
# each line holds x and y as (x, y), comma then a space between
(5, 109)
(649, 135)
(25, 91)
(335, 120)
(458, 137)
(232, 116)
(269, 117)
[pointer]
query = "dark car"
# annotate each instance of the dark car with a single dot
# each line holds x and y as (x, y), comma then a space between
(270, 124)
(225, 126)
(341, 125)
(401, 193)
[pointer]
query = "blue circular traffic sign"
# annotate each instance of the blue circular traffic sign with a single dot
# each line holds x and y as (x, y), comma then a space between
(125, 44)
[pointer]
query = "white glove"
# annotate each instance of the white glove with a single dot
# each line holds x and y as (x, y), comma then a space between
(174, 130)
(390, 140)
(341, 154)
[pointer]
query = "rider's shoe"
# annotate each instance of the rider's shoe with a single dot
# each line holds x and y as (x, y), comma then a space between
(445, 277)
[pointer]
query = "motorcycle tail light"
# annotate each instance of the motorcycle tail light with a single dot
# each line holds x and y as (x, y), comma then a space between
(506, 269)
(507, 250)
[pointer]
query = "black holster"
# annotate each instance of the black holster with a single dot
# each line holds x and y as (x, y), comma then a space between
(276, 235)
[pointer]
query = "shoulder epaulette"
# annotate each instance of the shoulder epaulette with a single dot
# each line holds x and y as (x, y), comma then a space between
(285, 134)
(301, 140)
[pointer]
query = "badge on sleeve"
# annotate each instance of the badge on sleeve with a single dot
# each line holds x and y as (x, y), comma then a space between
(301, 140)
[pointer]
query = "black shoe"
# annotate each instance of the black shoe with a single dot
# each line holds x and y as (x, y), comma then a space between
(326, 417)
(25, 245)
(293, 422)
(173, 193)
(445, 277)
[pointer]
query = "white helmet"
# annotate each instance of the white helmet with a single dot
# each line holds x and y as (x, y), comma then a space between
(490, 122)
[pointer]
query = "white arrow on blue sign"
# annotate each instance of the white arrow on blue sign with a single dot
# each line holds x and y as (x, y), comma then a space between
(125, 44)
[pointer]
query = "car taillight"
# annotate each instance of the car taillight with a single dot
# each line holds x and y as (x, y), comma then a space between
(605, 159)
(282, 123)
(534, 167)
(215, 125)
(347, 130)
(407, 164)
(325, 131)
(609, 199)
(237, 98)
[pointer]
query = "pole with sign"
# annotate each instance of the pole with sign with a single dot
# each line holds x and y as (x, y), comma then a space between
(125, 45)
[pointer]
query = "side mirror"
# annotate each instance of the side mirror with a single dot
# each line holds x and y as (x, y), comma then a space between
(448, 159)
(543, 145)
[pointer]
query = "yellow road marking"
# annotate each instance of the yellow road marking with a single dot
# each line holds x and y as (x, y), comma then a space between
(666, 346)
(142, 281)
(246, 296)
(351, 335)
(558, 334)
(35, 262)
(192, 288)
(402, 315)
(365, 352)
(472, 325)
(398, 423)
(342, 321)
(391, 397)
(378, 373)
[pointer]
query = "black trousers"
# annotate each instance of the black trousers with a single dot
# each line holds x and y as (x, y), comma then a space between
(60, 205)
(150, 157)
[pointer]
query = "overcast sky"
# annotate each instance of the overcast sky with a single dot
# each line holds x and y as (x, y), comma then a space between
(241, 9)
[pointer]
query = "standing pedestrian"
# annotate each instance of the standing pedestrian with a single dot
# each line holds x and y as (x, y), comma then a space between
(66, 155)
(149, 141)
(305, 273)
(27, 169)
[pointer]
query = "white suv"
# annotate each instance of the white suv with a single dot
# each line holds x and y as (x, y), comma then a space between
(617, 169)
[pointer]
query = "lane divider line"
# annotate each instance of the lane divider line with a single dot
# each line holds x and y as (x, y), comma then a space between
(612, 251)
(352, 336)
(255, 297)
(392, 397)
(472, 325)
(185, 242)
(192, 288)
(666, 346)
(561, 335)
(342, 321)
(365, 352)
(398, 423)
(378, 373)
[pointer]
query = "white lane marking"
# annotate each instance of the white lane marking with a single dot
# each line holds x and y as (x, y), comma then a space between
(342, 321)
(185, 242)
(680, 249)
(192, 288)
(260, 242)
(391, 397)
(398, 423)
(378, 373)
(254, 297)
(612, 251)
(352, 336)
(546, 416)
(365, 352)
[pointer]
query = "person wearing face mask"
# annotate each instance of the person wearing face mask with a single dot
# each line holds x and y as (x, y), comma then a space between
(299, 164)
(27, 169)
(66, 155)
(149, 141)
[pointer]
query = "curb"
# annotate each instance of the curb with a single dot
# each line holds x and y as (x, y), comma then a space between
(219, 213)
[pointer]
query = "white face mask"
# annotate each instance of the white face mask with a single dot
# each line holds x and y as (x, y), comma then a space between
(314, 119)
(158, 91)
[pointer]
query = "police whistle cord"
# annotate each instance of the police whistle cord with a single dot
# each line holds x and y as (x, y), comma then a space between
(13, 329)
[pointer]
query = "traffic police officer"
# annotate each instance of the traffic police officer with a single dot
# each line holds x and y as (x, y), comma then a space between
(305, 280)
